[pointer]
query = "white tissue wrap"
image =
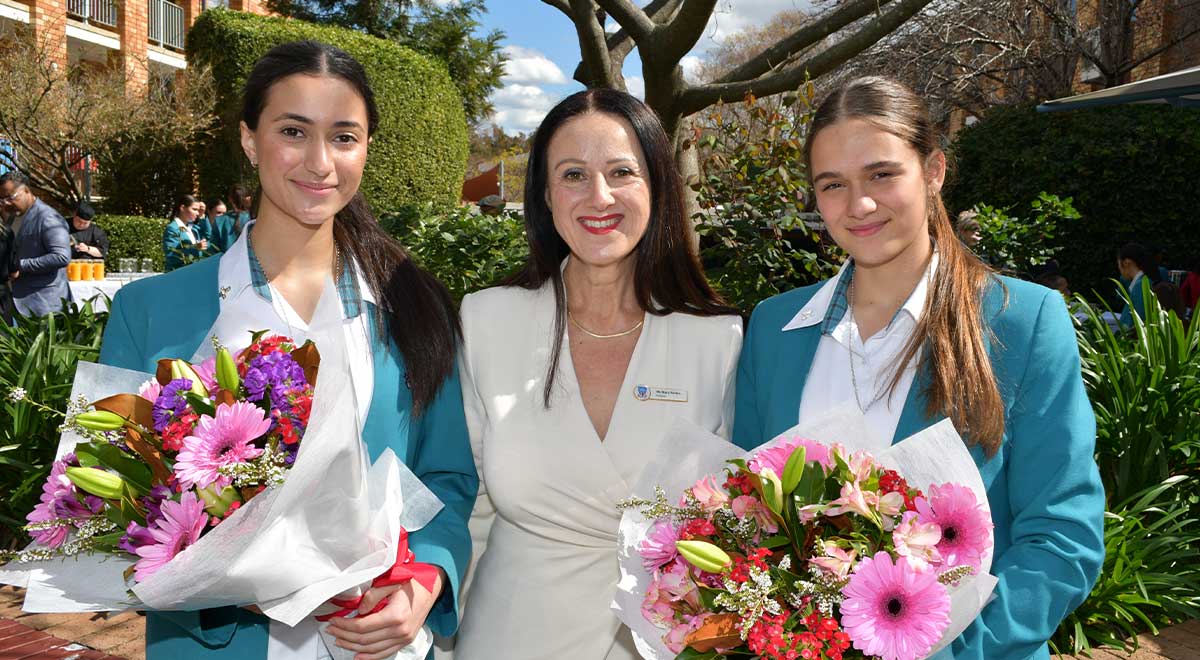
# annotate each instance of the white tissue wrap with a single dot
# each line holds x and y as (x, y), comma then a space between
(933, 456)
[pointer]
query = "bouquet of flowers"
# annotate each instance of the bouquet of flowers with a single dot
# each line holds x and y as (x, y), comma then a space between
(807, 549)
(163, 467)
(186, 495)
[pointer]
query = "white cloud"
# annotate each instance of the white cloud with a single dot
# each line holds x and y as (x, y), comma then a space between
(733, 16)
(690, 65)
(520, 108)
(529, 66)
(636, 85)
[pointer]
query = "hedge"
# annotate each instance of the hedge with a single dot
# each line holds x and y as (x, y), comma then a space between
(419, 153)
(132, 236)
(1130, 170)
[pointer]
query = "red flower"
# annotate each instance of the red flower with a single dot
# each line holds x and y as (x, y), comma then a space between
(302, 408)
(739, 482)
(891, 482)
(176, 431)
(697, 527)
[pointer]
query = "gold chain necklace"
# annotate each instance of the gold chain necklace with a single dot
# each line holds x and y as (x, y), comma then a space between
(599, 336)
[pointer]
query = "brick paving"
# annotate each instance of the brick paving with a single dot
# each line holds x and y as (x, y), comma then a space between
(85, 636)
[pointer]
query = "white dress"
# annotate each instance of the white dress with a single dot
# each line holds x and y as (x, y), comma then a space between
(545, 524)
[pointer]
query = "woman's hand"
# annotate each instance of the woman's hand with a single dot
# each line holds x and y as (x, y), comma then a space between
(379, 635)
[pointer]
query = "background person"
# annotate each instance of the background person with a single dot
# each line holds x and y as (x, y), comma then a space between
(88, 240)
(41, 249)
(6, 267)
(181, 239)
(1134, 262)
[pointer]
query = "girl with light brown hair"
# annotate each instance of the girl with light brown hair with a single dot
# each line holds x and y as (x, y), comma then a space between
(915, 329)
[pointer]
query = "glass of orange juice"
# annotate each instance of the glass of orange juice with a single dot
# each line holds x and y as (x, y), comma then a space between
(98, 269)
(73, 268)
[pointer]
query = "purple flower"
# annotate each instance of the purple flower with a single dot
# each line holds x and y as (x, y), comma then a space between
(153, 503)
(170, 402)
(277, 373)
(135, 537)
(60, 500)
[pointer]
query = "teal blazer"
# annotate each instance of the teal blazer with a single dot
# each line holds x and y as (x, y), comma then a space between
(223, 231)
(1043, 485)
(174, 242)
(167, 316)
(1137, 294)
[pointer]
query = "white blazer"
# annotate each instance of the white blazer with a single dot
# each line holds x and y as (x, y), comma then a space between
(545, 524)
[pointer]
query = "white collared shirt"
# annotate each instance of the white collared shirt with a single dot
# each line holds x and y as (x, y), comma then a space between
(830, 383)
(244, 310)
(187, 229)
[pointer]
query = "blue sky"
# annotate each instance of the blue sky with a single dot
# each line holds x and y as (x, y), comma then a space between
(543, 51)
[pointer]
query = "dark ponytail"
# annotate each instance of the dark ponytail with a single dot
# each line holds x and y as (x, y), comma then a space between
(1140, 255)
(416, 310)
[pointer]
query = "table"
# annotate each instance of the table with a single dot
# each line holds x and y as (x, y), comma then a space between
(84, 290)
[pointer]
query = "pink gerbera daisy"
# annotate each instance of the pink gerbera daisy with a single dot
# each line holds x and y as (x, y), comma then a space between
(218, 441)
(965, 525)
(894, 611)
(178, 528)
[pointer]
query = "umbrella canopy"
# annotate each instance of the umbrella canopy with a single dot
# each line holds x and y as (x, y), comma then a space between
(1180, 89)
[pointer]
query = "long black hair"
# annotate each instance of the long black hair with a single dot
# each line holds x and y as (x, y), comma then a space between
(667, 274)
(1140, 255)
(417, 311)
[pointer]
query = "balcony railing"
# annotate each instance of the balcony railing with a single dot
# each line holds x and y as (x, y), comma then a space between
(165, 23)
(100, 12)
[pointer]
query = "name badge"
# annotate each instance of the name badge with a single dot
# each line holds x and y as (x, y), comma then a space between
(646, 393)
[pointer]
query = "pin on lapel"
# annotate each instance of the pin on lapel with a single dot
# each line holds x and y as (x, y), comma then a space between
(223, 292)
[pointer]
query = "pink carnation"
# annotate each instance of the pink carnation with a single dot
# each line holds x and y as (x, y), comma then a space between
(777, 455)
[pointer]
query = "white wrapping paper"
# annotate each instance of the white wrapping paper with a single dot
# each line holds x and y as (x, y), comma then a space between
(933, 456)
(331, 527)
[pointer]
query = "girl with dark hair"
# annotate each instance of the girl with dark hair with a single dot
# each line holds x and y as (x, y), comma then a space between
(915, 329)
(181, 236)
(572, 372)
(1135, 262)
(309, 114)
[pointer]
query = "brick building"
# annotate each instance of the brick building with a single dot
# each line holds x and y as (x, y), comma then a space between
(144, 37)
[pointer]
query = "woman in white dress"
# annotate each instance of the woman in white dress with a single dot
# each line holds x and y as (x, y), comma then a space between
(574, 370)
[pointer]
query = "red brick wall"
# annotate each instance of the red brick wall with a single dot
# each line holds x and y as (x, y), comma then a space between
(48, 18)
(134, 31)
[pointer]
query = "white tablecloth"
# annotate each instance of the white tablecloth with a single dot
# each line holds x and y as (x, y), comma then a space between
(84, 290)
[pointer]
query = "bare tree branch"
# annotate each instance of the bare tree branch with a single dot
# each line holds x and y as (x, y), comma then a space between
(597, 64)
(699, 97)
(803, 38)
(620, 43)
(682, 32)
(560, 5)
(630, 17)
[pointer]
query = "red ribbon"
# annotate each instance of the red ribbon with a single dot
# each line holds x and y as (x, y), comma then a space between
(402, 571)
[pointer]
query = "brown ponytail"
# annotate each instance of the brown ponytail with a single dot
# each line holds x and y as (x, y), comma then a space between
(952, 331)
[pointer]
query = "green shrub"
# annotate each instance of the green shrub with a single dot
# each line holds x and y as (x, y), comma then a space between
(1144, 386)
(1150, 574)
(39, 356)
(1129, 169)
(1018, 245)
(147, 180)
(419, 153)
(752, 190)
(132, 236)
(467, 251)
